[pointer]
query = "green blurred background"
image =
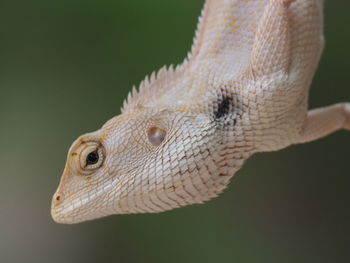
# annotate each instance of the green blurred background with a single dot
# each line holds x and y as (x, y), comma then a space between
(65, 68)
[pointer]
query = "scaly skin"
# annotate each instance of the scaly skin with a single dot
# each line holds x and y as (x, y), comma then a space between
(182, 136)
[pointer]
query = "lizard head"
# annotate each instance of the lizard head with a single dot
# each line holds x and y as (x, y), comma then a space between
(143, 161)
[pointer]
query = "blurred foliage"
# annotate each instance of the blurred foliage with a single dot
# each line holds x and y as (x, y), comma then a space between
(66, 67)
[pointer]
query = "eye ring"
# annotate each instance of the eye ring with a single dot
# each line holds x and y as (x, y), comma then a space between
(156, 135)
(91, 157)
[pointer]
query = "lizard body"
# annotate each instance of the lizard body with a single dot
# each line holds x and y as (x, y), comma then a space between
(181, 137)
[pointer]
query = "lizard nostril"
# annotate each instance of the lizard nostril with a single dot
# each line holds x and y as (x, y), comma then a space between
(58, 198)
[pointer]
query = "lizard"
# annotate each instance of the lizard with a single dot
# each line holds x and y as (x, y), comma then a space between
(180, 138)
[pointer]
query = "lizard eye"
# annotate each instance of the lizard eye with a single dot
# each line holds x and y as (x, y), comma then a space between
(91, 156)
(156, 136)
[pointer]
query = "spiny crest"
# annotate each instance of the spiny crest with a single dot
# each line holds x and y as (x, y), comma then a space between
(153, 86)
(199, 30)
(147, 88)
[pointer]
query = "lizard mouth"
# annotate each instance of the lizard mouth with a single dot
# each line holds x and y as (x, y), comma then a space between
(77, 207)
(61, 210)
(72, 212)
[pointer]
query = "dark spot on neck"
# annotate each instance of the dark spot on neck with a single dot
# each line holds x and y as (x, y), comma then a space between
(223, 107)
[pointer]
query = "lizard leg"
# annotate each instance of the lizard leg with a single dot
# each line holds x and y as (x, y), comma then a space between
(324, 121)
(272, 37)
